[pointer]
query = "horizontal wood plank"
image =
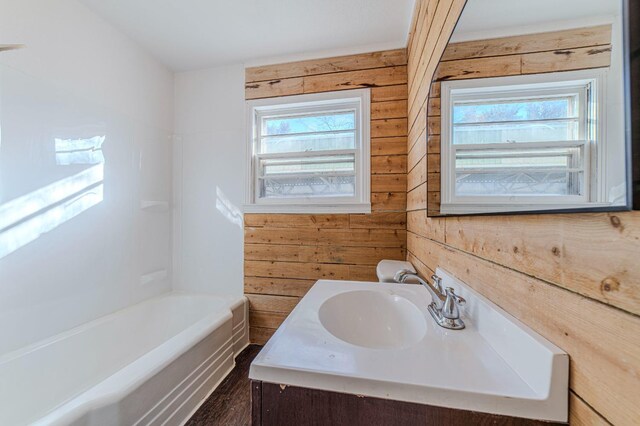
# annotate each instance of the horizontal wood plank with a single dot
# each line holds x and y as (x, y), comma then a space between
(277, 286)
(433, 144)
(567, 60)
(268, 268)
(433, 108)
(396, 220)
(296, 220)
(433, 163)
(529, 43)
(343, 237)
(417, 152)
(417, 175)
(363, 273)
(363, 61)
(580, 414)
(417, 198)
(388, 109)
(269, 303)
(389, 183)
(266, 319)
(479, 68)
(273, 88)
(388, 164)
(420, 224)
(389, 201)
(389, 146)
(388, 127)
(260, 335)
(321, 254)
(433, 182)
(377, 77)
(389, 93)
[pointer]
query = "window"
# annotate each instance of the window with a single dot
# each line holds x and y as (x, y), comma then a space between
(521, 141)
(310, 153)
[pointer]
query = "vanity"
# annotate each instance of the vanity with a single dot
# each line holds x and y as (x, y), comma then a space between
(362, 353)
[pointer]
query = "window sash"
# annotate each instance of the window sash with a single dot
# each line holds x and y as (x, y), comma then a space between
(320, 112)
(523, 146)
(520, 149)
(338, 155)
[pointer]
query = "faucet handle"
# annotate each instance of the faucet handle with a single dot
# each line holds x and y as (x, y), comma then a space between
(401, 275)
(451, 303)
(450, 293)
(437, 283)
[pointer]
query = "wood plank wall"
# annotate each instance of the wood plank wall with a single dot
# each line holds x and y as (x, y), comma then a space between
(568, 50)
(286, 254)
(574, 278)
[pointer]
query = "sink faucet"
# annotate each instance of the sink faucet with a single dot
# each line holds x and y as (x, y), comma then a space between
(444, 302)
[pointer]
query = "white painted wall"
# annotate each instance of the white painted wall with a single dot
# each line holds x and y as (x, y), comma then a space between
(209, 155)
(64, 264)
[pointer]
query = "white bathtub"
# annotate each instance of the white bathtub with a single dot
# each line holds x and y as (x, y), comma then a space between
(151, 363)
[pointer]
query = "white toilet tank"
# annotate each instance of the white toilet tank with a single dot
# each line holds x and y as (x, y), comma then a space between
(387, 269)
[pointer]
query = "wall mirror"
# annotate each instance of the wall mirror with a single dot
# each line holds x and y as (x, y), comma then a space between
(529, 110)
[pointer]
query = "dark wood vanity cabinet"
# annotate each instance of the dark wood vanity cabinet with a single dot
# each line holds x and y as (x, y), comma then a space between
(280, 405)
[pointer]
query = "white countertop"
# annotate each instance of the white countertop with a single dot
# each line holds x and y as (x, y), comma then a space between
(450, 368)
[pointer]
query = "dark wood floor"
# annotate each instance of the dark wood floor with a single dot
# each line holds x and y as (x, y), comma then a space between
(230, 403)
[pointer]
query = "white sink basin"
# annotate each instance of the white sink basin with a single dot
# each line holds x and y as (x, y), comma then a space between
(373, 319)
(379, 340)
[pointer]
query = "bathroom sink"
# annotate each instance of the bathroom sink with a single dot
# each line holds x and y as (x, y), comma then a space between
(379, 340)
(372, 319)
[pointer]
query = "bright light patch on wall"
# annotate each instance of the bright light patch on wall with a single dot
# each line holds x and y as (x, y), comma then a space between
(79, 151)
(227, 209)
(25, 232)
(26, 218)
(20, 208)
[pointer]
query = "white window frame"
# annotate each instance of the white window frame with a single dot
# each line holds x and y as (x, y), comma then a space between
(592, 140)
(358, 99)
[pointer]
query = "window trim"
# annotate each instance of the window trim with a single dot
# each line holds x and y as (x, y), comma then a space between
(361, 201)
(594, 152)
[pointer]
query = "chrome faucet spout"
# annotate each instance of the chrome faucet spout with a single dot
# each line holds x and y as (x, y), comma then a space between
(444, 302)
(437, 294)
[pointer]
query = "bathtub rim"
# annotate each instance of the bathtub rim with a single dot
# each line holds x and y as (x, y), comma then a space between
(127, 379)
(234, 302)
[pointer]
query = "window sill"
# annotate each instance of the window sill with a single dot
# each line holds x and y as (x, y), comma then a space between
(462, 209)
(308, 208)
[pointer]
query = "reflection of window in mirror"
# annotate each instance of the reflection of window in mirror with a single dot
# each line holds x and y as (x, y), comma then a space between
(521, 141)
(526, 110)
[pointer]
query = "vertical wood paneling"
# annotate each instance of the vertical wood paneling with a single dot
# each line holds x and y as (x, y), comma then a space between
(572, 278)
(286, 254)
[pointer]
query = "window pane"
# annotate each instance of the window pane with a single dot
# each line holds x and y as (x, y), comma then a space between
(338, 164)
(308, 186)
(520, 110)
(309, 123)
(518, 183)
(317, 176)
(550, 131)
(535, 171)
(309, 142)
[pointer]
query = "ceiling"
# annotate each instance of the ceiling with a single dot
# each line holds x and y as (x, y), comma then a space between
(194, 34)
(496, 18)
